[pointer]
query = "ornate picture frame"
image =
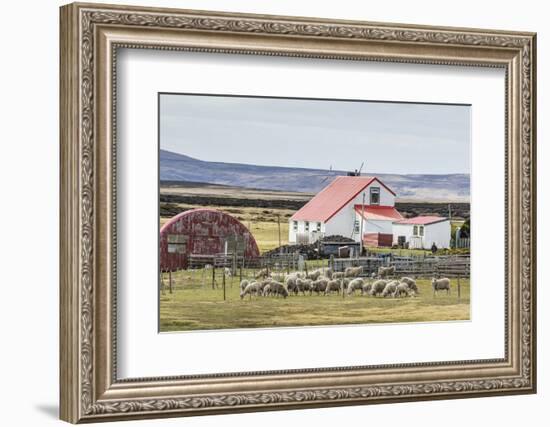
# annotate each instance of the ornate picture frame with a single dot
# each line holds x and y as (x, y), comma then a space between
(90, 37)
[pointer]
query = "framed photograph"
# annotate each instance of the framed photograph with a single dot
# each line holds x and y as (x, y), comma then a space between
(266, 212)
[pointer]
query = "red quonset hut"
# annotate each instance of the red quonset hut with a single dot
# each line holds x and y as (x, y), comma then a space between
(203, 232)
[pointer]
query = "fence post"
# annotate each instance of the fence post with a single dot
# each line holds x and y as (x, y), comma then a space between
(213, 276)
(162, 290)
(170, 280)
(223, 284)
(459, 287)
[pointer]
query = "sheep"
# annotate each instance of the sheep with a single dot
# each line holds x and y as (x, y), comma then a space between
(319, 285)
(227, 271)
(292, 287)
(345, 282)
(303, 285)
(355, 285)
(337, 275)
(290, 283)
(411, 283)
(366, 289)
(277, 288)
(262, 285)
(353, 271)
(386, 271)
(403, 289)
(251, 288)
(441, 285)
(308, 283)
(390, 288)
(323, 271)
(314, 275)
(267, 290)
(243, 284)
(262, 274)
(378, 287)
(333, 285)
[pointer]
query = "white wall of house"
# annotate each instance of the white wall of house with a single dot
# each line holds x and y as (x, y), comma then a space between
(344, 221)
(438, 233)
(313, 229)
(377, 226)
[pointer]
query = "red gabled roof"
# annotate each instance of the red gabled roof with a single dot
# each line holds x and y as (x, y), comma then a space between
(332, 198)
(422, 220)
(381, 213)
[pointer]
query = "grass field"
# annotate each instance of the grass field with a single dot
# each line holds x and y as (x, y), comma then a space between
(194, 305)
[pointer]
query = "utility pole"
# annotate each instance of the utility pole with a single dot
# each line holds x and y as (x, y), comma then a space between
(361, 226)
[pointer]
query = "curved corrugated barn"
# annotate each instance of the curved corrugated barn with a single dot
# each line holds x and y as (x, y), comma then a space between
(203, 232)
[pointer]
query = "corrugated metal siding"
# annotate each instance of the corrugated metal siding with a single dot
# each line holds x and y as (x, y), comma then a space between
(202, 232)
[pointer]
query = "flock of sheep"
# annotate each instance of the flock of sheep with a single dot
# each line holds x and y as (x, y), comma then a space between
(325, 281)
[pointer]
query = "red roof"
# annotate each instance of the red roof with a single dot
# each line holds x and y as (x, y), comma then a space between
(422, 220)
(332, 198)
(383, 213)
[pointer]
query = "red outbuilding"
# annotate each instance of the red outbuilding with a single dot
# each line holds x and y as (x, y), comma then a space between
(203, 232)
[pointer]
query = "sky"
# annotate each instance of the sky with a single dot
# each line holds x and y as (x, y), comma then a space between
(388, 137)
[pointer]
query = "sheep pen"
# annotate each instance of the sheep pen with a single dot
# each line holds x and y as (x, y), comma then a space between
(195, 305)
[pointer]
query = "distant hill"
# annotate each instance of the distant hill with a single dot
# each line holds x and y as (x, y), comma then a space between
(178, 167)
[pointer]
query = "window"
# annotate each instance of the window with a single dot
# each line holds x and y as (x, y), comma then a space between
(177, 243)
(421, 230)
(415, 230)
(375, 195)
(356, 227)
(295, 225)
(307, 226)
(319, 226)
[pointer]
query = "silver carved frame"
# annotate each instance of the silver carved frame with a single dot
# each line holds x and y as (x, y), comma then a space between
(90, 36)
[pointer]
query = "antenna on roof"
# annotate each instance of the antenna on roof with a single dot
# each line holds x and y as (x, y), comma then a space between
(328, 175)
(357, 172)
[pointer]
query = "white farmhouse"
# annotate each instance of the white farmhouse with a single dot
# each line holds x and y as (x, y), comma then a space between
(422, 232)
(347, 206)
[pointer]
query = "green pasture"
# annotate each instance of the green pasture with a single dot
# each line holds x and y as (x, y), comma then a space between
(194, 305)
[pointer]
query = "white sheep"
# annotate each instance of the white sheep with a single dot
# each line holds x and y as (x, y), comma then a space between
(277, 288)
(262, 274)
(303, 285)
(386, 271)
(267, 290)
(319, 285)
(337, 275)
(411, 283)
(390, 288)
(313, 275)
(353, 271)
(333, 285)
(402, 289)
(443, 284)
(378, 287)
(355, 285)
(243, 284)
(367, 287)
(251, 289)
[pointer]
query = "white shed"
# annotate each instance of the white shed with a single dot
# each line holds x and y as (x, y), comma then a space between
(422, 232)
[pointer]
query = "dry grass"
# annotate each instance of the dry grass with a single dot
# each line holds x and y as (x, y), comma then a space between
(194, 305)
